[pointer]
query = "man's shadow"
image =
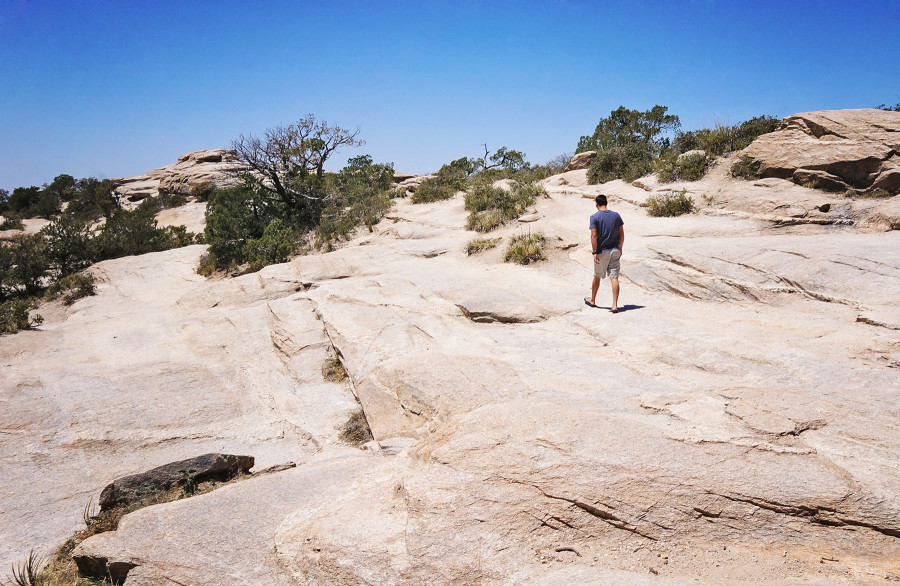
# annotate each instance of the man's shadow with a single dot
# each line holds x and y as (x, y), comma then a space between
(623, 308)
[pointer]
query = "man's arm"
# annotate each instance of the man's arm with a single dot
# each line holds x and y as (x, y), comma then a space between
(594, 250)
(621, 237)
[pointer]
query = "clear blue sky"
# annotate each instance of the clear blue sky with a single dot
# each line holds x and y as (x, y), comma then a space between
(116, 88)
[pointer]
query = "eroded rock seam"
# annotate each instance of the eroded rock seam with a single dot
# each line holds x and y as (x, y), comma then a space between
(340, 356)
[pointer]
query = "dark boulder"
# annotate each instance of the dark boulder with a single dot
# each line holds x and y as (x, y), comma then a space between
(135, 487)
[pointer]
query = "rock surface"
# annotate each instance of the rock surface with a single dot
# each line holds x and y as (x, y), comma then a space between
(581, 161)
(735, 423)
(835, 150)
(219, 167)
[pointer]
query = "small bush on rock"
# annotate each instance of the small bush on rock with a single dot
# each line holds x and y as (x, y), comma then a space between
(163, 201)
(621, 162)
(15, 316)
(356, 431)
(670, 204)
(490, 207)
(12, 223)
(274, 246)
(525, 248)
(72, 288)
(477, 245)
(444, 185)
(746, 168)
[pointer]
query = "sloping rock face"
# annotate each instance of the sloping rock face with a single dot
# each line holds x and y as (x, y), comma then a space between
(735, 422)
(219, 167)
(835, 150)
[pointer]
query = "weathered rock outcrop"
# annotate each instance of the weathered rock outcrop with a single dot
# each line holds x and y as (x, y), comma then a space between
(137, 486)
(835, 150)
(581, 161)
(219, 167)
(735, 421)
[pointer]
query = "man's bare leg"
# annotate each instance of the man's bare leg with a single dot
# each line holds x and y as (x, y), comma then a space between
(595, 286)
(615, 292)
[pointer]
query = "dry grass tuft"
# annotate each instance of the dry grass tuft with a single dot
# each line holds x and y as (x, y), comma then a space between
(477, 245)
(525, 248)
(356, 431)
(333, 371)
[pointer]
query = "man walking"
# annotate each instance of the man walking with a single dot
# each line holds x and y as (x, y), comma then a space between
(607, 238)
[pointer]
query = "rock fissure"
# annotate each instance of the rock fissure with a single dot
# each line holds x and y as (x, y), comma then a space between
(820, 515)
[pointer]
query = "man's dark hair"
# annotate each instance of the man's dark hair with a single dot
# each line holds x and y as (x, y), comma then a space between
(601, 200)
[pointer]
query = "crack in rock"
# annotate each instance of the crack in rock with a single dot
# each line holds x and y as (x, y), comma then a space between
(490, 317)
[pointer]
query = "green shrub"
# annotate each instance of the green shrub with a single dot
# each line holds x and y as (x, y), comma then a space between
(178, 237)
(27, 265)
(489, 206)
(163, 201)
(361, 196)
(444, 185)
(627, 162)
(208, 264)
(275, 245)
(746, 168)
(69, 247)
(691, 166)
(477, 245)
(202, 191)
(665, 166)
(128, 233)
(723, 138)
(93, 199)
(72, 288)
(14, 315)
(525, 248)
(670, 204)
(485, 221)
(12, 223)
(233, 216)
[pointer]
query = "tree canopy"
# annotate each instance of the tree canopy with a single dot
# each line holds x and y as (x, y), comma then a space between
(627, 128)
(288, 162)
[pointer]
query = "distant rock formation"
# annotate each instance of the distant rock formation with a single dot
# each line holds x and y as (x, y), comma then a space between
(217, 166)
(836, 150)
(581, 161)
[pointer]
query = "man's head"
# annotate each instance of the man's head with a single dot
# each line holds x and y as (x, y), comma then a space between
(600, 200)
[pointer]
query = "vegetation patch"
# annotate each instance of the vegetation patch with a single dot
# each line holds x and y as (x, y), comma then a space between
(12, 223)
(525, 248)
(444, 185)
(356, 430)
(490, 207)
(164, 201)
(72, 288)
(477, 245)
(333, 371)
(746, 168)
(15, 315)
(631, 144)
(670, 204)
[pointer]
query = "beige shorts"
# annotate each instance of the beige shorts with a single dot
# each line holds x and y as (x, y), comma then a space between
(609, 264)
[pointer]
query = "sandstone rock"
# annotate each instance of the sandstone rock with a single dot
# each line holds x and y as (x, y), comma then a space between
(581, 161)
(410, 184)
(742, 404)
(208, 466)
(690, 155)
(401, 177)
(219, 167)
(834, 149)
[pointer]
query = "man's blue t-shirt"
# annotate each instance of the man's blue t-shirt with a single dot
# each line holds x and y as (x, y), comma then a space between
(606, 223)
